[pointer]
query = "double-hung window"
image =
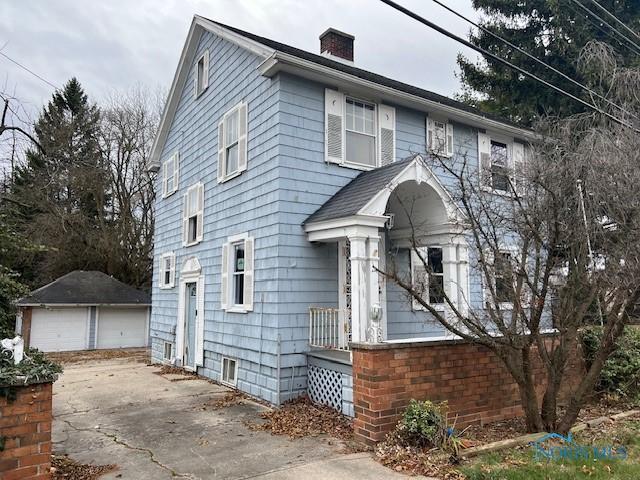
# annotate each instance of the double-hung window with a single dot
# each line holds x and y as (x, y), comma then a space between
(497, 165)
(232, 143)
(193, 215)
(170, 175)
(167, 270)
(439, 137)
(503, 275)
(427, 274)
(201, 74)
(236, 290)
(360, 132)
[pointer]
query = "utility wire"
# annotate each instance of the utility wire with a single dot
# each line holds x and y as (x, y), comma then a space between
(486, 53)
(544, 64)
(30, 71)
(596, 16)
(615, 18)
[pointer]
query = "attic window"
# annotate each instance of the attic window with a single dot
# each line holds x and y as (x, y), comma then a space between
(201, 76)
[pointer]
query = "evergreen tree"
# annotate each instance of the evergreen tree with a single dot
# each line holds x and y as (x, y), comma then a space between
(60, 196)
(554, 31)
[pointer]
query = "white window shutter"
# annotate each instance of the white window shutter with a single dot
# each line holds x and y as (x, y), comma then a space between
(249, 256)
(185, 218)
(199, 356)
(242, 137)
(176, 171)
(164, 179)
(172, 271)
(484, 159)
(195, 80)
(221, 151)
(161, 283)
(489, 279)
(205, 70)
(200, 222)
(518, 166)
(334, 126)
(419, 278)
(430, 135)
(224, 278)
(449, 129)
(386, 134)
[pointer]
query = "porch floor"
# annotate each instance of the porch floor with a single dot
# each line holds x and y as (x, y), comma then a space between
(337, 356)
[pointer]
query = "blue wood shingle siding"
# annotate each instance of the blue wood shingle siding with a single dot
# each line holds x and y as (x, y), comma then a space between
(287, 179)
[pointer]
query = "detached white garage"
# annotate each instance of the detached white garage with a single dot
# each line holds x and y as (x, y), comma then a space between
(84, 310)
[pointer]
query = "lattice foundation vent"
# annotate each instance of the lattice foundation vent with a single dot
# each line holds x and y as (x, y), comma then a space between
(325, 387)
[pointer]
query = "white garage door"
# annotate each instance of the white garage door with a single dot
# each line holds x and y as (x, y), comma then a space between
(58, 329)
(122, 327)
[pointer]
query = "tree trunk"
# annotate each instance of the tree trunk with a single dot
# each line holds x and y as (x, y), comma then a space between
(528, 395)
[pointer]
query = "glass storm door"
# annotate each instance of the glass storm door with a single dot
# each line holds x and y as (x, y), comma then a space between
(190, 326)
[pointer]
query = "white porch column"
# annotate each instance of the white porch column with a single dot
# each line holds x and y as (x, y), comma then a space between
(359, 288)
(373, 245)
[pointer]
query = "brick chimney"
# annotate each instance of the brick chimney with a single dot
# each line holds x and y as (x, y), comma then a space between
(334, 43)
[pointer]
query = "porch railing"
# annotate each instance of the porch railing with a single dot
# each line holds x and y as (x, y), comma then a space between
(328, 328)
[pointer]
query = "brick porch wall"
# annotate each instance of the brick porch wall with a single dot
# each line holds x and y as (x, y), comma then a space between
(470, 378)
(25, 425)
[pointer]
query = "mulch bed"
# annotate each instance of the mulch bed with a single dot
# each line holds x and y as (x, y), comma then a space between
(64, 468)
(301, 417)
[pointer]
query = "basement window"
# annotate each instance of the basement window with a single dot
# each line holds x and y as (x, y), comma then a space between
(229, 372)
(168, 351)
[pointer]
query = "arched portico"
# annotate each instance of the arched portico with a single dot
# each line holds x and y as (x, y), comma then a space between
(403, 204)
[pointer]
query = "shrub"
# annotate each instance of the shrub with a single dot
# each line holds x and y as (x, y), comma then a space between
(34, 368)
(423, 424)
(621, 372)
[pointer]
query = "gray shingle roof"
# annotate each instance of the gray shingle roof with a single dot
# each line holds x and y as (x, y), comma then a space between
(366, 75)
(86, 288)
(355, 194)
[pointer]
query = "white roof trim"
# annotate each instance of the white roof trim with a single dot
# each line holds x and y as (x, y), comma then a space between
(280, 61)
(418, 172)
(198, 25)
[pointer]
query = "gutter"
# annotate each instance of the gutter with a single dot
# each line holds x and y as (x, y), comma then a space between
(280, 61)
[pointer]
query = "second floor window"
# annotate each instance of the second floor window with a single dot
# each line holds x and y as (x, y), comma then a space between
(232, 143)
(193, 215)
(238, 274)
(499, 166)
(360, 126)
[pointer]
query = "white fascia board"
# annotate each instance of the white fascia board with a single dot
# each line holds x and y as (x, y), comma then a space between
(353, 226)
(198, 25)
(68, 305)
(280, 61)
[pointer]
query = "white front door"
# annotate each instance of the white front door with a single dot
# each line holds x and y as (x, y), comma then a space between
(191, 312)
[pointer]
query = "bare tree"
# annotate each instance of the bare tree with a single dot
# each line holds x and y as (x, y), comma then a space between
(573, 215)
(129, 123)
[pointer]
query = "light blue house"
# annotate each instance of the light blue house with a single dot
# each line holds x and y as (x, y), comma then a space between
(280, 192)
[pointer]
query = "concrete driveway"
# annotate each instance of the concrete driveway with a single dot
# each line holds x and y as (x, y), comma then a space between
(121, 412)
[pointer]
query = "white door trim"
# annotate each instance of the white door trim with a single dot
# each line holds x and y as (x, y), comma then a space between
(191, 273)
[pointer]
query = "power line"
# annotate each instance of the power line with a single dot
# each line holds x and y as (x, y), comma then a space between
(486, 53)
(30, 71)
(595, 15)
(615, 18)
(546, 65)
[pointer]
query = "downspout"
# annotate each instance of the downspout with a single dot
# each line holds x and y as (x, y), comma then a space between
(278, 348)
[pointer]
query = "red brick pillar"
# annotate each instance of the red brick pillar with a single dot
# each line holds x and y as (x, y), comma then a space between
(25, 429)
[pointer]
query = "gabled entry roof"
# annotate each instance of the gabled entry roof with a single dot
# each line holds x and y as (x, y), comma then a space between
(86, 288)
(351, 198)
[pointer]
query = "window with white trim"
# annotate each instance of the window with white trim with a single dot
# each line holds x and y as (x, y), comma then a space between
(439, 137)
(499, 166)
(503, 277)
(427, 275)
(170, 175)
(502, 163)
(193, 215)
(360, 130)
(232, 143)
(168, 351)
(237, 274)
(229, 374)
(167, 270)
(201, 74)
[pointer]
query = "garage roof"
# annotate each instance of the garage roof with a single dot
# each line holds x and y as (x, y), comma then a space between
(86, 288)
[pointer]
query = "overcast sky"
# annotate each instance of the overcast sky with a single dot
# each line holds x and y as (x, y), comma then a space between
(115, 44)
